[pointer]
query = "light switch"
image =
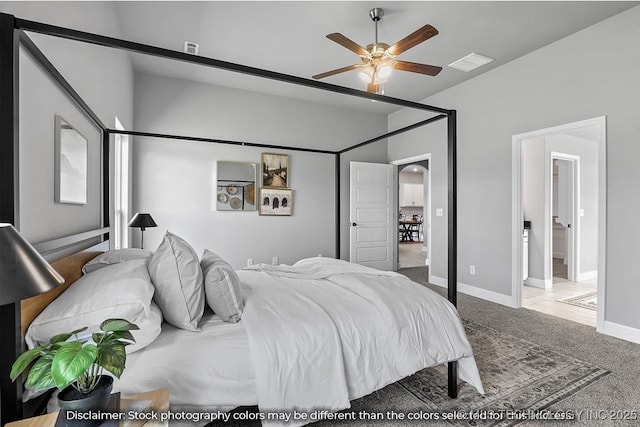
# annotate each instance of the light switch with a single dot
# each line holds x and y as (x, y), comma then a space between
(581, 212)
(439, 212)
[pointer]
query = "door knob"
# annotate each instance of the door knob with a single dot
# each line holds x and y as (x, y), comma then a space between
(353, 224)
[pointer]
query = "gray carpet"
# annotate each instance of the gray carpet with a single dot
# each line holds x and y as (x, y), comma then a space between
(605, 399)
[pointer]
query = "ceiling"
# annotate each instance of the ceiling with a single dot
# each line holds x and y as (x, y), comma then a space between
(289, 37)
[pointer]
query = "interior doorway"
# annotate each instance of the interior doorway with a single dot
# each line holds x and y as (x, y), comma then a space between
(414, 212)
(559, 213)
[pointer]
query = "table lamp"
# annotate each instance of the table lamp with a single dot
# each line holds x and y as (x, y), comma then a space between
(23, 274)
(142, 221)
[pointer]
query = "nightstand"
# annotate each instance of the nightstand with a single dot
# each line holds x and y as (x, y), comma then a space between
(159, 401)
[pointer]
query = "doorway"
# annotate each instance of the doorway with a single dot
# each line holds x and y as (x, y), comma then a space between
(414, 212)
(559, 198)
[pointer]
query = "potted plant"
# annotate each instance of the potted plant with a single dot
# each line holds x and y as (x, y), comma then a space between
(76, 366)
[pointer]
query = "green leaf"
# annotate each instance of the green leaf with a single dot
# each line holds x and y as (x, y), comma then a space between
(40, 374)
(112, 357)
(117, 325)
(24, 361)
(59, 338)
(97, 336)
(123, 335)
(71, 361)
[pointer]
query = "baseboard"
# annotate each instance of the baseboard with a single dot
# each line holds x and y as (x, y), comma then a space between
(587, 275)
(474, 291)
(621, 331)
(539, 283)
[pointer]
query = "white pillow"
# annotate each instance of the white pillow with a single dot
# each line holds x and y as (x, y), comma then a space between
(150, 324)
(175, 272)
(114, 257)
(222, 287)
(121, 291)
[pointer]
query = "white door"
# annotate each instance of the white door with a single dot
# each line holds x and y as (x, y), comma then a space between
(566, 210)
(372, 219)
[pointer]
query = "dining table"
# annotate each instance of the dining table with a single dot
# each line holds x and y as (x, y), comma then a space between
(407, 228)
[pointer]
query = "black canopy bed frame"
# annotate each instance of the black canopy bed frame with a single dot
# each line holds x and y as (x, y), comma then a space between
(12, 36)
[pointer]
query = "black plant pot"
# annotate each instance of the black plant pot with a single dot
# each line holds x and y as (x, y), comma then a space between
(81, 409)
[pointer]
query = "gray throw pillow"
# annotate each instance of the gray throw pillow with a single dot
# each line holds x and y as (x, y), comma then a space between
(177, 277)
(222, 287)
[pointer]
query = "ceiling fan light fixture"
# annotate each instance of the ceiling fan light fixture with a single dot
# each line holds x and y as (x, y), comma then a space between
(384, 72)
(366, 75)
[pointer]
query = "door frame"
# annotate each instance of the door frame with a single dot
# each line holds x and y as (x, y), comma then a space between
(517, 211)
(427, 207)
(573, 235)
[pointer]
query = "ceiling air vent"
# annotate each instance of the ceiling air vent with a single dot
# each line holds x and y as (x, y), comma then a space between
(191, 47)
(470, 62)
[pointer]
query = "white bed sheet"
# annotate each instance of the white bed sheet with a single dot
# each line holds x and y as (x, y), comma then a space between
(211, 369)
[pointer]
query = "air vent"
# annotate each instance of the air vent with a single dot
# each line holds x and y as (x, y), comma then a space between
(191, 47)
(470, 62)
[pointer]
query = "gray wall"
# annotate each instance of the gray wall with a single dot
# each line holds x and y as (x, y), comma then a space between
(588, 74)
(534, 153)
(103, 77)
(175, 180)
(427, 139)
(533, 202)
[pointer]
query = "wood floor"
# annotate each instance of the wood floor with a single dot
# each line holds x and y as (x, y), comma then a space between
(411, 255)
(547, 300)
(543, 300)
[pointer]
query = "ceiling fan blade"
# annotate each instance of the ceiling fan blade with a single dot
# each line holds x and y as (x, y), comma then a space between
(348, 43)
(413, 39)
(430, 70)
(337, 71)
(372, 88)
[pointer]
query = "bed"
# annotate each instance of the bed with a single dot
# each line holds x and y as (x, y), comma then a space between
(15, 28)
(313, 335)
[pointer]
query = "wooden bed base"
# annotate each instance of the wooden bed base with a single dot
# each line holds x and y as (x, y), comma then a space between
(70, 268)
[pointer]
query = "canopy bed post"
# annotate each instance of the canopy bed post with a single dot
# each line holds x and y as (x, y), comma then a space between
(11, 339)
(452, 206)
(106, 214)
(338, 158)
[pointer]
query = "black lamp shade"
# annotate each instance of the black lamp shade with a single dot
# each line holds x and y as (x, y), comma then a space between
(23, 271)
(142, 221)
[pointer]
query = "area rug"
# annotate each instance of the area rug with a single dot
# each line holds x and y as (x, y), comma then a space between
(589, 301)
(521, 380)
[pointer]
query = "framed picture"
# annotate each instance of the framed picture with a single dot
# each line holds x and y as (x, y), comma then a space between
(275, 170)
(70, 169)
(236, 186)
(276, 201)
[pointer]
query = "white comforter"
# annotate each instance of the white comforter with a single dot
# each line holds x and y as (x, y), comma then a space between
(324, 332)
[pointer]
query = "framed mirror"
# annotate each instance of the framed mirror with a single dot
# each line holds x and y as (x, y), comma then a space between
(236, 186)
(70, 178)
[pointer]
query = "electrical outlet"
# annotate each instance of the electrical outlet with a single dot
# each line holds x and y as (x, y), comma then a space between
(249, 262)
(472, 269)
(275, 260)
(439, 212)
(320, 255)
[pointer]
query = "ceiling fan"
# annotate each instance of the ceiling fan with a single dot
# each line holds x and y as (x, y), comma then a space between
(378, 59)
